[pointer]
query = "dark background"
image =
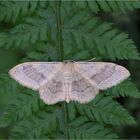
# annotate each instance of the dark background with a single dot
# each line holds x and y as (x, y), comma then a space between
(131, 25)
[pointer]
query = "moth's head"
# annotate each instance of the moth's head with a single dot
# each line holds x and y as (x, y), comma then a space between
(68, 61)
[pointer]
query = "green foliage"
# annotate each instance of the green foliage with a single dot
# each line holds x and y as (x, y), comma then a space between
(113, 6)
(82, 128)
(12, 10)
(91, 37)
(7, 84)
(41, 122)
(126, 88)
(102, 110)
(54, 31)
(20, 106)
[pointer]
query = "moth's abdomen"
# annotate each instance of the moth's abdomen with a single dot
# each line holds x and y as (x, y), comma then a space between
(67, 80)
(67, 76)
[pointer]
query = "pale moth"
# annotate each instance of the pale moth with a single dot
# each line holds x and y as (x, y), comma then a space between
(68, 80)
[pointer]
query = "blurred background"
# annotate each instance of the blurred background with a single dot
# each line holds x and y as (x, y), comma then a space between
(129, 24)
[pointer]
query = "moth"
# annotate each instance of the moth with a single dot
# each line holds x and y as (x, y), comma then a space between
(68, 80)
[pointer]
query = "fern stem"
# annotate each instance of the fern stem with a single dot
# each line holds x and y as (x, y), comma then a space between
(59, 33)
(66, 121)
(60, 49)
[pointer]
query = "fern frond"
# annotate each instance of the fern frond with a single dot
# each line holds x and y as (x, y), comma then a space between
(36, 124)
(24, 34)
(91, 37)
(6, 84)
(126, 88)
(43, 123)
(42, 52)
(32, 31)
(105, 110)
(88, 35)
(21, 106)
(12, 10)
(81, 128)
(113, 6)
(34, 55)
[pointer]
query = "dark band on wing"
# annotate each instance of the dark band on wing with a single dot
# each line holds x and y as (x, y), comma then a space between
(80, 85)
(33, 74)
(104, 73)
(53, 87)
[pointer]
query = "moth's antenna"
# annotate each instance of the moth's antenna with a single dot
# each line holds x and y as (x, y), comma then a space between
(77, 61)
(68, 61)
(90, 59)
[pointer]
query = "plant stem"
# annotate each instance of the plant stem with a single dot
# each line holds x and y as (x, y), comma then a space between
(60, 49)
(59, 36)
(66, 121)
